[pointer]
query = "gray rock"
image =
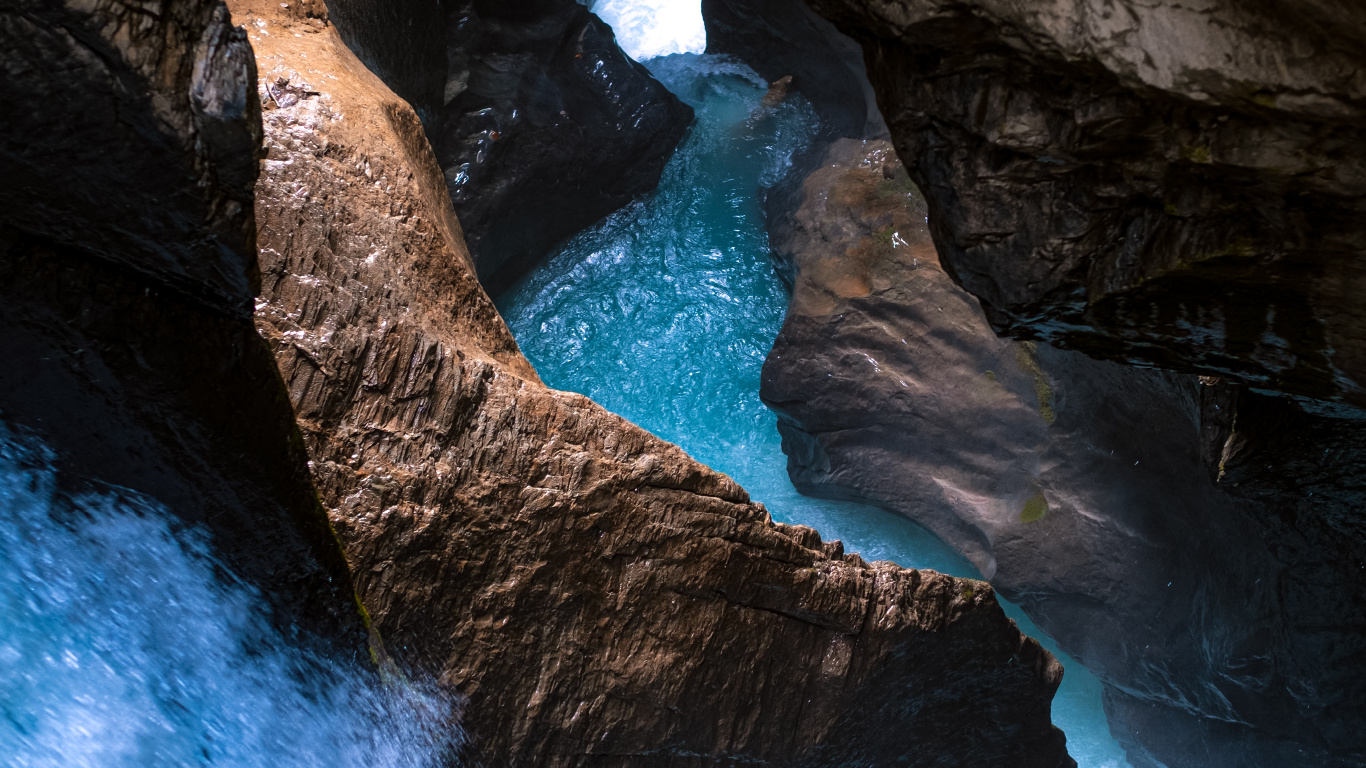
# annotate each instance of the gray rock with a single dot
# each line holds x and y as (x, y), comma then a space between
(1215, 614)
(548, 127)
(1163, 183)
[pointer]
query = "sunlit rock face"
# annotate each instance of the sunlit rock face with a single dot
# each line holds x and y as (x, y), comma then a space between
(413, 64)
(127, 274)
(1163, 183)
(599, 596)
(1196, 567)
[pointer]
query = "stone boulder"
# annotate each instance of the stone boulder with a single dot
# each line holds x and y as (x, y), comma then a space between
(548, 127)
(1176, 537)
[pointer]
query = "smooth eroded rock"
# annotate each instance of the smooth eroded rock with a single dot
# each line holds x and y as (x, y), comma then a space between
(1176, 537)
(549, 126)
(1162, 183)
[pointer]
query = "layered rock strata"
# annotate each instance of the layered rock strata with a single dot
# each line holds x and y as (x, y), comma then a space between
(1189, 564)
(127, 272)
(549, 126)
(599, 597)
(1165, 183)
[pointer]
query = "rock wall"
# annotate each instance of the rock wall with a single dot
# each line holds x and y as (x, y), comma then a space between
(1207, 592)
(549, 126)
(402, 41)
(1161, 183)
(127, 274)
(600, 597)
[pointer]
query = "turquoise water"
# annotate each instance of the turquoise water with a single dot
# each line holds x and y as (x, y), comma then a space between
(125, 645)
(664, 313)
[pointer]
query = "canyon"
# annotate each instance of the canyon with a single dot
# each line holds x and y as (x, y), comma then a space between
(1081, 305)
(531, 551)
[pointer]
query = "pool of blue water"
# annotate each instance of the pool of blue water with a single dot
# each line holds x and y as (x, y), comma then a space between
(665, 310)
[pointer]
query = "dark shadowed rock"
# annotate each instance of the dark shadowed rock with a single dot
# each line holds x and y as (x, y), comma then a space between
(779, 38)
(1183, 541)
(127, 272)
(549, 127)
(401, 41)
(1167, 183)
(601, 598)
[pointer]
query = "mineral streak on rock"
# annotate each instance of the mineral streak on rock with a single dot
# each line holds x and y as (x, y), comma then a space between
(600, 597)
(1163, 183)
(1085, 490)
(127, 271)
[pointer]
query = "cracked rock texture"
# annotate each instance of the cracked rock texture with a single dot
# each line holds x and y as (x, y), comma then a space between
(1209, 576)
(601, 598)
(127, 272)
(1178, 184)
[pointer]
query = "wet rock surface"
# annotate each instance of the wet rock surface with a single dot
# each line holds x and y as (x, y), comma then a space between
(1162, 183)
(548, 127)
(600, 597)
(783, 39)
(127, 271)
(1208, 576)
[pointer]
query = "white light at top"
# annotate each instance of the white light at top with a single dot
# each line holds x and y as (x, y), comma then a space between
(649, 28)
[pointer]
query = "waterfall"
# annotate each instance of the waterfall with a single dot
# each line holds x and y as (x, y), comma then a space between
(649, 28)
(127, 645)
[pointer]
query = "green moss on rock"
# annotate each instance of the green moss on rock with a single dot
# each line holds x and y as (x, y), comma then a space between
(1034, 509)
(1027, 355)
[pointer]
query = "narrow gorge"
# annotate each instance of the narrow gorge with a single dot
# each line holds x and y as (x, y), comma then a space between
(682, 383)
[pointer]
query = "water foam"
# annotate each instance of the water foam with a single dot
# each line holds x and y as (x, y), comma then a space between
(649, 28)
(126, 645)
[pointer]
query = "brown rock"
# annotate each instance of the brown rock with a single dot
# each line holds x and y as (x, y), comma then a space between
(600, 597)
(777, 91)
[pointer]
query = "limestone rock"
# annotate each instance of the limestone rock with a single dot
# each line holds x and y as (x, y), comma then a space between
(127, 271)
(600, 597)
(1165, 183)
(1079, 487)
